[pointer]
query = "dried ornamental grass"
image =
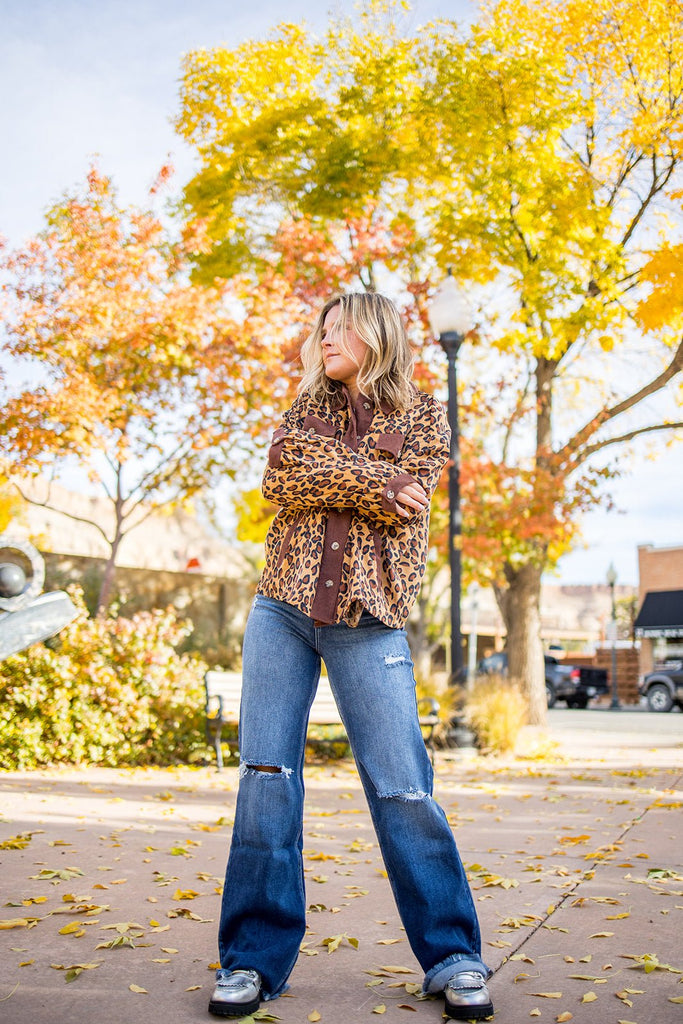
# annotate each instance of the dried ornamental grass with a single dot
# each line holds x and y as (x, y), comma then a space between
(495, 711)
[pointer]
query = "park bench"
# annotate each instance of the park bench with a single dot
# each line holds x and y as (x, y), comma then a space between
(224, 690)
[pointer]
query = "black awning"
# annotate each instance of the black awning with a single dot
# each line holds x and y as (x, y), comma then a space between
(661, 614)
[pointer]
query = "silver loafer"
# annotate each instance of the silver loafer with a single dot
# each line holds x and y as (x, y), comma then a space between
(237, 993)
(467, 996)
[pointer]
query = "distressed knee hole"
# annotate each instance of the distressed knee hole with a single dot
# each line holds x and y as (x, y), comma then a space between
(395, 659)
(263, 769)
(409, 795)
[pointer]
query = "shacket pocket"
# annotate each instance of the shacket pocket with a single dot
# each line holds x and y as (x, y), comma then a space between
(391, 444)
(314, 425)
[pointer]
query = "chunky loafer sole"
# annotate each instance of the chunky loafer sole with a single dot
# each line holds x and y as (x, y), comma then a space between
(469, 1013)
(233, 1009)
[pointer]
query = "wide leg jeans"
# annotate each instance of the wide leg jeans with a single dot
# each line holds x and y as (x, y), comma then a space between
(371, 675)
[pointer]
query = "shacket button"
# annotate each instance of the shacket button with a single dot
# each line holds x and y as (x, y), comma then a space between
(390, 495)
(366, 405)
(329, 583)
(311, 431)
(334, 545)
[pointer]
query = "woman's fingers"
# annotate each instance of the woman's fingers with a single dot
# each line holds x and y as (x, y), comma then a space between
(412, 496)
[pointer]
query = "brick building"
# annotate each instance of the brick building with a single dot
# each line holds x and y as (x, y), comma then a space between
(659, 624)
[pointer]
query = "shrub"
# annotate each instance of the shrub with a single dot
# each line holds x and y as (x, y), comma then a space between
(495, 711)
(111, 691)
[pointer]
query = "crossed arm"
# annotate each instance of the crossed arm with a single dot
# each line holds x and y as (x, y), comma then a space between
(308, 470)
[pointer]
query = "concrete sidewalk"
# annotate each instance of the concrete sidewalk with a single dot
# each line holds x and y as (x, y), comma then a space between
(111, 881)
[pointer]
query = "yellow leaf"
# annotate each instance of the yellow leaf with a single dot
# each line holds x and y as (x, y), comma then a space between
(672, 999)
(314, 1016)
(27, 963)
(535, 1013)
(185, 894)
(589, 997)
(601, 935)
(547, 995)
(193, 988)
(380, 1008)
(563, 1017)
(69, 929)
(136, 988)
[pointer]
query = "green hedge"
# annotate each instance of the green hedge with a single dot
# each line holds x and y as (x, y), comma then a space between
(110, 691)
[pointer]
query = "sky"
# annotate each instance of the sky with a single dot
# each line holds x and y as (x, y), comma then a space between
(83, 80)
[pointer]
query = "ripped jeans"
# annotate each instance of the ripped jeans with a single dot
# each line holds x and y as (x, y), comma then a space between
(264, 902)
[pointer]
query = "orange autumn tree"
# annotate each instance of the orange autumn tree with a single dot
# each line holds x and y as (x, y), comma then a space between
(142, 380)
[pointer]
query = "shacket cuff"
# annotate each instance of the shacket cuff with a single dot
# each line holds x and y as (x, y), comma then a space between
(275, 450)
(391, 489)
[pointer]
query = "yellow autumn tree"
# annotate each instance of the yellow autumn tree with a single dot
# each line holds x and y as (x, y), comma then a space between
(538, 155)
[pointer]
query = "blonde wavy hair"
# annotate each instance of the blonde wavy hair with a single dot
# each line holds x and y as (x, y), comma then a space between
(385, 376)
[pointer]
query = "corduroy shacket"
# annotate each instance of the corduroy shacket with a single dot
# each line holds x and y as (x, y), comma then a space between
(338, 544)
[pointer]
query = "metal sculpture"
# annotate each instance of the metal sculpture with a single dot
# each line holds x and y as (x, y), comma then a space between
(26, 615)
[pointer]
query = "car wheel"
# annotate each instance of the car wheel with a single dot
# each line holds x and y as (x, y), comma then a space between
(659, 698)
(550, 695)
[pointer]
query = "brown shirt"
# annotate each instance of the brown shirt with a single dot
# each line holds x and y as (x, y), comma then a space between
(338, 544)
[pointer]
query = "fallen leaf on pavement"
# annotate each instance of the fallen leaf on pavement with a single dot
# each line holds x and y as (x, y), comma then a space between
(334, 942)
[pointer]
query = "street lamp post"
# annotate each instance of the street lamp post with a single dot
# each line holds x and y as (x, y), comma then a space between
(448, 316)
(611, 581)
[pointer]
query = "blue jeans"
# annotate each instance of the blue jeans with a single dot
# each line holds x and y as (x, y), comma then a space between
(264, 902)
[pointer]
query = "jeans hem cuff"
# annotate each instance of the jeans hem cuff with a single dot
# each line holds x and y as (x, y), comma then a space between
(438, 977)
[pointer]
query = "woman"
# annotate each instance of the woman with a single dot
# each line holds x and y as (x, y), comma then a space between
(352, 467)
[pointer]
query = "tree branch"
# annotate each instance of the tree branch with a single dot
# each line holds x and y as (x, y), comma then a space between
(572, 451)
(63, 512)
(658, 183)
(599, 445)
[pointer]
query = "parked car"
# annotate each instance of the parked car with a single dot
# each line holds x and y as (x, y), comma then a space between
(663, 688)
(574, 684)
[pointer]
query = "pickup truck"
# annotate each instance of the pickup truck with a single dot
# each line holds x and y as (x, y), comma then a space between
(575, 684)
(663, 688)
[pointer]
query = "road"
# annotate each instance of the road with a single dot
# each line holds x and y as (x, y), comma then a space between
(629, 733)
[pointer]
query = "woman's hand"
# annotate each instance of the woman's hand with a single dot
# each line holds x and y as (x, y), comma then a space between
(410, 499)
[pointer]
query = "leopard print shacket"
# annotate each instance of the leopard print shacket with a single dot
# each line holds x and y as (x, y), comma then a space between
(337, 544)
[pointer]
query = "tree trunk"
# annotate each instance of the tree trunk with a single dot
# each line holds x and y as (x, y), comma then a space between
(421, 647)
(519, 605)
(108, 579)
